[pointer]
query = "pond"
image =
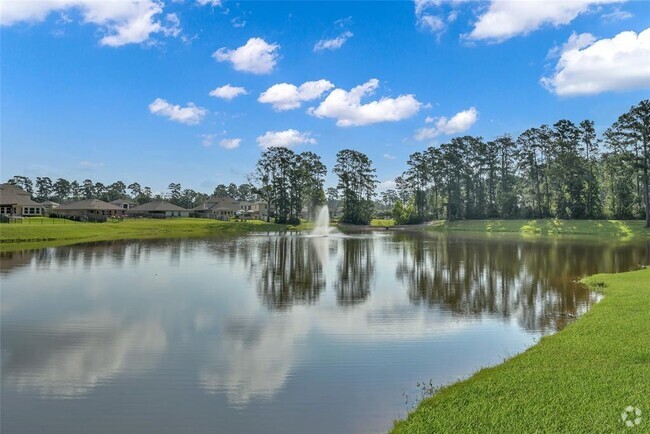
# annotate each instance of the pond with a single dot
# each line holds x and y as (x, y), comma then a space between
(273, 333)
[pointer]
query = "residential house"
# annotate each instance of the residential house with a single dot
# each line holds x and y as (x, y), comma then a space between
(89, 210)
(17, 202)
(49, 206)
(260, 210)
(158, 209)
(220, 208)
(125, 204)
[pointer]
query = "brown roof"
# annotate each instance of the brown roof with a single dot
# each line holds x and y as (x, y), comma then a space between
(157, 206)
(12, 195)
(87, 204)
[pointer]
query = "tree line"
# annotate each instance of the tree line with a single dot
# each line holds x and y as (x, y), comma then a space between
(561, 171)
(62, 190)
(564, 170)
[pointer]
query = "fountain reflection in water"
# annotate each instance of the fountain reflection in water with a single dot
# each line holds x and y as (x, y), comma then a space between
(322, 226)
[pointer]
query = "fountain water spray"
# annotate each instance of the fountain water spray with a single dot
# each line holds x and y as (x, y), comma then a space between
(322, 226)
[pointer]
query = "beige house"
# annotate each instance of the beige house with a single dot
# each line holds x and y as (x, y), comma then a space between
(224, 208)
(124, 203)
(49, 206)
(260, 210)
(17, 202)
(158, 210)
(89, 210)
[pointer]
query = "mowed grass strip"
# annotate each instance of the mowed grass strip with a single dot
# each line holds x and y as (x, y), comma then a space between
(623, 230)
(579, 380)
(37, 233)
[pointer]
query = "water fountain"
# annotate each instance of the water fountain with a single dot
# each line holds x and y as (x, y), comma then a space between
(322, 227)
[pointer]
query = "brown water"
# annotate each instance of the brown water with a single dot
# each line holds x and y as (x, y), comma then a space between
(273, 333)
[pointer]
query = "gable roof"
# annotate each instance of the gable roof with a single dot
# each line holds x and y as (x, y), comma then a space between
(121, 201)
(12, 195)
(157, 206)
(89, 204)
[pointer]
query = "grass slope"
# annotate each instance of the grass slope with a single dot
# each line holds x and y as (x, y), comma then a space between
(44, 232)
(576, 381)
(619, 229)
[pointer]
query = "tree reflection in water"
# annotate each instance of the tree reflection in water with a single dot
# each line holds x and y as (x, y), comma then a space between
(355, 271)
(288, 270)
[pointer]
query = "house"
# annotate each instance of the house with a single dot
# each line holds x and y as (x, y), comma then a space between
(158, 209)
(124, 203)
(49, 206)
(89, 210)
(260, 210)
(16, 201)
(220, 208)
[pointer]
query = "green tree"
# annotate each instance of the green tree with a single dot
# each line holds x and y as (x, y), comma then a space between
(357, 183)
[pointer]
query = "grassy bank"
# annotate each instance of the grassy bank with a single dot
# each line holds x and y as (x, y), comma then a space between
(607, 229)
(37, 233)
(576, 381)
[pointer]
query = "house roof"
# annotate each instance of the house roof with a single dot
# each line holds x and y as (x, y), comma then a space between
(219, 204)
(157, 206)
(89, 204)
(12, 195)
(121, 201)
(49, 203)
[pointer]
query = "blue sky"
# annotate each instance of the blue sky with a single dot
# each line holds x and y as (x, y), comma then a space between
(121, 90)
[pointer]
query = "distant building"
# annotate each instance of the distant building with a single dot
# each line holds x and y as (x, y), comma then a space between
(225, 208)
(89, 210)
(124, 203)
(49, 206)
(17, 202)
(158, 210)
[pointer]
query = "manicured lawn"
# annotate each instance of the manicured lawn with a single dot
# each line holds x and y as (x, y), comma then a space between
(579, 380)
(611, 229)
(382, 222)
(42, 232)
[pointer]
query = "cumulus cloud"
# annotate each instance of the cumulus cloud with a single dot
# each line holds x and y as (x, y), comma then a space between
(230, 143)
(589, 66)
(347, 109)
(228, 92)
(285, 96)
(256, 56)
(458, 123)
(121, 21)
(333, 43)
(190, 115)
(286, 139)
(505, 19)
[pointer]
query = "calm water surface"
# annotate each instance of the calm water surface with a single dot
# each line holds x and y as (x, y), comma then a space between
(272, 333)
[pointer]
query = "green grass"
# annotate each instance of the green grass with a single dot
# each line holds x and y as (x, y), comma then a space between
(43, 232)
(576, 381)
(382, 222)
(623, 230)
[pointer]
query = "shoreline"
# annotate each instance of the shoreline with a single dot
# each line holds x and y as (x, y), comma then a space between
(579, 379)
(43, 232)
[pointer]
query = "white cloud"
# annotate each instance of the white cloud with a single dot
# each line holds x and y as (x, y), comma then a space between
(505, 19)
(89, 165)
(213, 3)
(389, 184)
(431, 23)
(346, 107)
(589, 66)
(286, 139)
(617, 14)
(190, 115)
(230, 143)
(121, 21)
(285, 96)
(334, 43)
(228, 92)
(256, 56)
(389, 156)
(458, 123)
